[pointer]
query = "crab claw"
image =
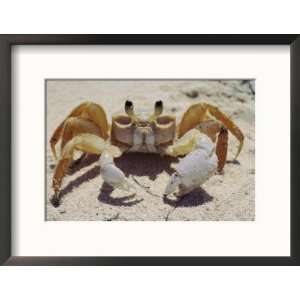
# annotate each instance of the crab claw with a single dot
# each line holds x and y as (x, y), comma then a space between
(173, 184)
(111, 174)
(194, 169)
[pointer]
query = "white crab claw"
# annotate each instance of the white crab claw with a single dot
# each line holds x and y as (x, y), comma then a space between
(204, 143)
(172, 184)
(195, 168)
(111, 174)
(115, 177)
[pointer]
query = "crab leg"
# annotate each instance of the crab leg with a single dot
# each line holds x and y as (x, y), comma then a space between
(228, 124)
(85, 111)
(186, 144)
(87, 143)
(197, 113)
(221, 148)
(74, 126)
(216, 130)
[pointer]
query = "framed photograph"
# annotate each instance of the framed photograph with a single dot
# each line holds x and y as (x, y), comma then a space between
(149, 149)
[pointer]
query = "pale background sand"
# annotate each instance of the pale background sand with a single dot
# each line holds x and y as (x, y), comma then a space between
(229, 196)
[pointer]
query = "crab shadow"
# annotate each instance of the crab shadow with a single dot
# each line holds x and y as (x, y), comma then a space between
(84, 161)
(89, 175)
(139, 164)
(105, 197)
(145, 164)
(233, 162)
(195, 198)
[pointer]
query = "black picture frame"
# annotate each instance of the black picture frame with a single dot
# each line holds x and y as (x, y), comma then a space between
(6, 43)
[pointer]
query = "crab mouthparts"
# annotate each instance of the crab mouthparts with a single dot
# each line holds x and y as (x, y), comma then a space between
(143, 124)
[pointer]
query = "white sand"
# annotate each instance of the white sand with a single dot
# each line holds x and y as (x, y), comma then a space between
(229, 196)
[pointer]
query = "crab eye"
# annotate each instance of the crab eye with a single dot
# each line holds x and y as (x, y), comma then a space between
(129, 107)
(158, 108)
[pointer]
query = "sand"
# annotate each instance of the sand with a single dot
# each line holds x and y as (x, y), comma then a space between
(224, 197)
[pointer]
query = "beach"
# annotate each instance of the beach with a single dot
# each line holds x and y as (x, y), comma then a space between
(229, 196)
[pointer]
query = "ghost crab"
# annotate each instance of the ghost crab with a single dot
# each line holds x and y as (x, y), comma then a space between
(202, 126)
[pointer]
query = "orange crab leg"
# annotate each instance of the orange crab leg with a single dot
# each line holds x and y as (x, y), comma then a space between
(213, 110)
(83, 142)
(74, 126)
(193, 116)
(198, 113)
(210, 128)
(221, 148)
(85, 111)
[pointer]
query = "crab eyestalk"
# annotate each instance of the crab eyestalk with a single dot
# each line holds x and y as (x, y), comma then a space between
(129, 109)
(158, 109)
